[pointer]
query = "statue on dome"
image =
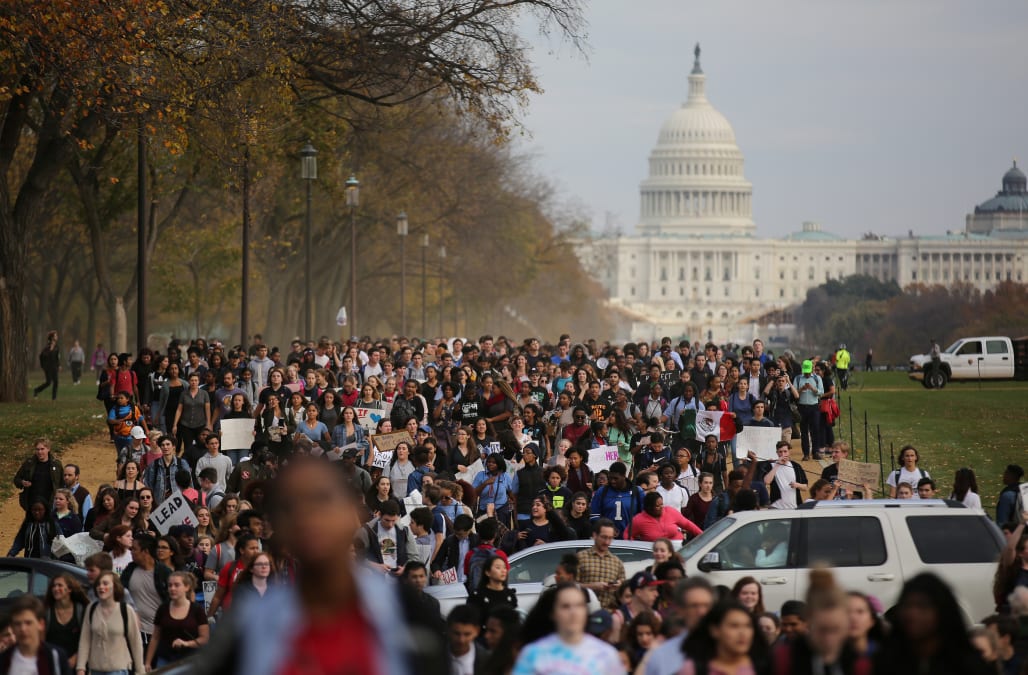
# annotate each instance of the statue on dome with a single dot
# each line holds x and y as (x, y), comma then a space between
(696, 63)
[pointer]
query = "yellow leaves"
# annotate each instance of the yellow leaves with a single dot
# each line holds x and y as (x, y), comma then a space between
(113, 180)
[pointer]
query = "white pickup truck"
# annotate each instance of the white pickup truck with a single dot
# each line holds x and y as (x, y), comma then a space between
(972, 358)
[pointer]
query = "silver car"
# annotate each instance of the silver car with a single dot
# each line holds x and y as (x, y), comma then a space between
(530, 568)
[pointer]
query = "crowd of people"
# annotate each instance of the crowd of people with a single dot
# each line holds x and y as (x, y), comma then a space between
(378, 469)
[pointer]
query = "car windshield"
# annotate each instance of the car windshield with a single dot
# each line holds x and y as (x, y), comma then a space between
(694, 545)
(953, 347)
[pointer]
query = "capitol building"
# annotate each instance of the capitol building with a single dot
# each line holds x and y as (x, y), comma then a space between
(696, 268)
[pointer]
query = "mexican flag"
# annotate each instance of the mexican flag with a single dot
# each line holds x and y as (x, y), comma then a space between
(719, 424)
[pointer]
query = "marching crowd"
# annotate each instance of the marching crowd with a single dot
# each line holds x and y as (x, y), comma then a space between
(373, 470)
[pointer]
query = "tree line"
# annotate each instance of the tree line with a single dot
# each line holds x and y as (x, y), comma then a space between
(419, 100)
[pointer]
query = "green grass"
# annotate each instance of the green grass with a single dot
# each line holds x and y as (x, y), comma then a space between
(64, 422)
(966, 424)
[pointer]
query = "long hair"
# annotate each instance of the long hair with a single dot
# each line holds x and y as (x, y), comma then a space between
(75, 592)
(539, 622)
(701, 647)
(954, 647)
(963, 482)
(483, 581)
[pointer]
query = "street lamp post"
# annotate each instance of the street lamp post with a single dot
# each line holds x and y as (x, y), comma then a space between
(353, 197)
(424, 285)
(309, 173)
(401, 229)
(442, 281)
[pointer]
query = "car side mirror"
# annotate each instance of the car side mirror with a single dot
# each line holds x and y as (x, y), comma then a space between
(710, 561)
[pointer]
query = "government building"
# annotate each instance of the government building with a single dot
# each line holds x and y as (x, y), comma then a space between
(695, 267)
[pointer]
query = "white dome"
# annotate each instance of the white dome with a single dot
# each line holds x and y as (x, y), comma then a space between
(696, 124)
(696, 184)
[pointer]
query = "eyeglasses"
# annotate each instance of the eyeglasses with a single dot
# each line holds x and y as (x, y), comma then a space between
(145, 498)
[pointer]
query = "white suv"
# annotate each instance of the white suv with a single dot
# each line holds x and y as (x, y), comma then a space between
(871, 546)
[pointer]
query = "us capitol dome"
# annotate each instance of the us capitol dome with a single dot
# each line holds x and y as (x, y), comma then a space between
(696, 269)
(696, 183)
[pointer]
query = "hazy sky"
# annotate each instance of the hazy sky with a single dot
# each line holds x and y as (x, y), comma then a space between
(868, 115)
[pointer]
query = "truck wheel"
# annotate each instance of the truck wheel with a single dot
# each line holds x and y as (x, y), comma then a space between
(937, 380)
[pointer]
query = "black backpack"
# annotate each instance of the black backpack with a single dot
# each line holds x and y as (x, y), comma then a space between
(402, 411)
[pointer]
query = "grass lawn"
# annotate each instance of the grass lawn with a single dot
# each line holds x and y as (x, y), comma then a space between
(984, 427)
(64, 422)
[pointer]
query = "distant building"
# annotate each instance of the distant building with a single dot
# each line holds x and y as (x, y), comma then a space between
(696, 269)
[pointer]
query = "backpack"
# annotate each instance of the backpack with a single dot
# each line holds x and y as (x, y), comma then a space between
(402, 411)
(896, 476)
(478, 559)
(125, 627)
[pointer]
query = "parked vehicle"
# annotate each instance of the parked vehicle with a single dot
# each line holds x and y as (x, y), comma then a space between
(973, 358)
(872, 546)
(19, 576)
(530, 568)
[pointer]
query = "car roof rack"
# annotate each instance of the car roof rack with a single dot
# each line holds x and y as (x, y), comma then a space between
(884, 503)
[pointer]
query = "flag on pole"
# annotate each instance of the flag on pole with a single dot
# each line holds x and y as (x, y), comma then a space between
(721, 425)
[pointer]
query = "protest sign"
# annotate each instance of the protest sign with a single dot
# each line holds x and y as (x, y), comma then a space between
(858, 473)
(382, 460)
(369, 418)
(388, 442)
(237, 434)
(473, 470)
(209, 589)
(493, 448)
(448, 576)
(602, 457)
(174, 510)
(761, 440)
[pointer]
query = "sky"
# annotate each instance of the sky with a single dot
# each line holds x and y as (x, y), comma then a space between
(880, 116)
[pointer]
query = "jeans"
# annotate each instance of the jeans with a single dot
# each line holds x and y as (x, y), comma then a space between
(51, 379)
(109, 672)
(76, 371)
(236, 455)
(810, 428)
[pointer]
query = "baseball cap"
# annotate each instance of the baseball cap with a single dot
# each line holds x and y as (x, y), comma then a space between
(808, 367)
(350, 453)
(599, 622)
(424, 427)
(138, 433)
(534, 447)
(643, 580)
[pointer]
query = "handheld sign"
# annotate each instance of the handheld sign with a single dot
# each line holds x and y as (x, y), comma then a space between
(494, 448)
(602, 457)
(388, 442)
(761, 440)
(858, 473)
(382, 460)
(473, 470)
(237, 434)
(174, 510)
(448, 576)
(369, 418)
(209, 589)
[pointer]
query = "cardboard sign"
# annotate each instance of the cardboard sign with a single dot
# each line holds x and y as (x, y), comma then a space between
(858, 473)
(209, 589)
(448, 576)
(237, 434)
(761, 440)
(175, 510)
(382, 460)
(602, 457)
(473, 470)
(388, 442)
(369, 418)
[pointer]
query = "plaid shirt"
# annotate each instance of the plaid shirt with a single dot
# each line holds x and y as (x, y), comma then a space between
(594, 567)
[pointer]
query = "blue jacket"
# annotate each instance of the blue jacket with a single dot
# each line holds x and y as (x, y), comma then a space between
(619, 506)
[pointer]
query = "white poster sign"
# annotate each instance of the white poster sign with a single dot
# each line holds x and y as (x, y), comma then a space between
(602, 457)
(761, 440)
(369, 418)
(473, 470)
(237, 434)
(382, 460)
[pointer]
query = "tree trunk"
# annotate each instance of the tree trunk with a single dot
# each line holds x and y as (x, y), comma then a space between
(118, 324)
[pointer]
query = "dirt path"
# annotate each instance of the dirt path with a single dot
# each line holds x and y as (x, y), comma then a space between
(95, 458)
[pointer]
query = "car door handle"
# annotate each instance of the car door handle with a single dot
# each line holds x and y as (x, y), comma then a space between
(773, 581)
(881, 577)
